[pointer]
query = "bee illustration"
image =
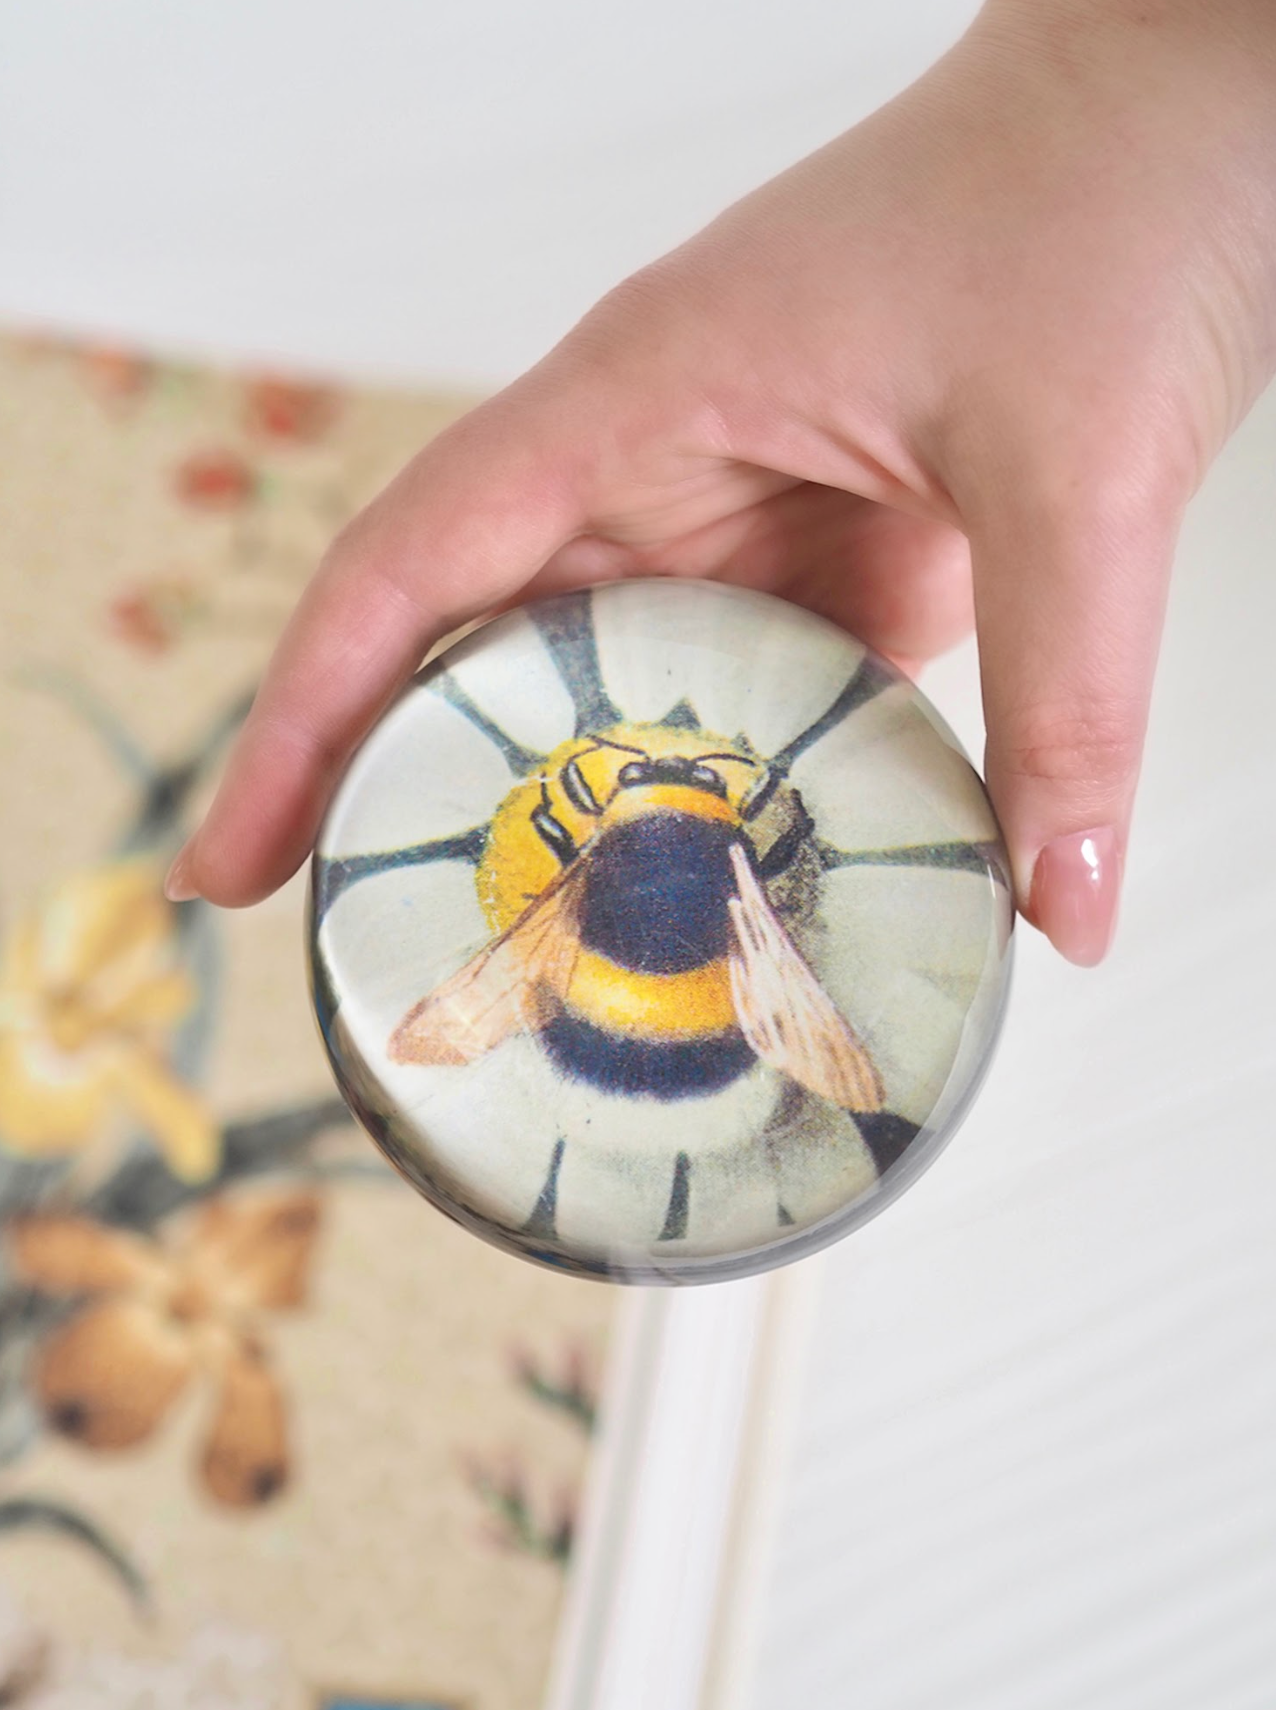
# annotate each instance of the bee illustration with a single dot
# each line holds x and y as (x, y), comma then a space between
(704, 1014)
(635, 935)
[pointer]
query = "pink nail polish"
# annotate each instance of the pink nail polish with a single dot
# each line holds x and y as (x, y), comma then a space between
(177, 885)
(1075, 886)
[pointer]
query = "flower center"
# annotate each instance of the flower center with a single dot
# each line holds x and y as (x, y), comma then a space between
(71, 1021)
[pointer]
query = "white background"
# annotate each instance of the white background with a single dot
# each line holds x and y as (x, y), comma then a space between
(1034, 1466)
(428, 189)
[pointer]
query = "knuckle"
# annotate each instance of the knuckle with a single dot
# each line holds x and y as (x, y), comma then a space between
(1091, 749)
(1125, 509)
(622, 332)
(636, 369)
(644, 328)
(639, 300)
(1105, 477)
(652, 299)
(1112, 512)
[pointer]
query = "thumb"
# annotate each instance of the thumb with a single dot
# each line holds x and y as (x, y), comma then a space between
(463, 527)
(1070, 588)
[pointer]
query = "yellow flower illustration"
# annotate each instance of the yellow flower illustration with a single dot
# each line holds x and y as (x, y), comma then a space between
(156, 1315)
(90, 990)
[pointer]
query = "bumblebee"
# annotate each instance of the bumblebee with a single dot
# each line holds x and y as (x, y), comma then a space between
(707, 1020)
(641, 885)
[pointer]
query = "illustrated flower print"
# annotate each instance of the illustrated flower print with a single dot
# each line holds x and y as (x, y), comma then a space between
(216, 480)
(289, 409)
(171, 1147)
(155, 1315)
(518, 1520)
(115, 373)
(153, 616)
(91, 989)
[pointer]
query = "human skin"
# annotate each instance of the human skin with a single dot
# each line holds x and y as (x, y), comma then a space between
(967, 363)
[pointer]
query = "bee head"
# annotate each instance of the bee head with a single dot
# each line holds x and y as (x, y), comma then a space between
(671, 769)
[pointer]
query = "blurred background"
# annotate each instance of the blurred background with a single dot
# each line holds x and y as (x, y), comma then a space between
(1031, 1463)
(429, 192)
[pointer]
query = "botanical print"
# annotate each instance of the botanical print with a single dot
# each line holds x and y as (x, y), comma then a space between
(221, 1666)
(524, 1518)
(707, 954)
(92, 987)
(143, 1236)
(150, 1316)
(346, 1701)
(264, 1444)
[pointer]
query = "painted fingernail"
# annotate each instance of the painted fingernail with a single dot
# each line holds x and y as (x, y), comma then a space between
(177, 884)
(1075, 887)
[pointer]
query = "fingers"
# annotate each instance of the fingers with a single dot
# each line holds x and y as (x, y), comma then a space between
(898, 581)
(1070, 583)
(463, 527)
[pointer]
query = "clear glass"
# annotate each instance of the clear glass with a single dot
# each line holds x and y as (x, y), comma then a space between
(660, 932)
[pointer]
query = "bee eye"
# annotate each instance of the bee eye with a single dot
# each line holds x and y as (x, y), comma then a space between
(707, 779)
(577, 790)
(554, 833)
(636, 772)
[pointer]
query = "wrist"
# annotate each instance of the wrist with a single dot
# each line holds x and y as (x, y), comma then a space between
(1157, 117)
(1211, 39)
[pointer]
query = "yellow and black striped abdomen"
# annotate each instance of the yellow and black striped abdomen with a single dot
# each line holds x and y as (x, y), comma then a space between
(648, 1010)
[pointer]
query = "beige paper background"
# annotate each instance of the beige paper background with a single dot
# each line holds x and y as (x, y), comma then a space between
(380, 1569)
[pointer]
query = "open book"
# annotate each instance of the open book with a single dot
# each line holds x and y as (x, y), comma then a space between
(662, 1602)
(274, 1435)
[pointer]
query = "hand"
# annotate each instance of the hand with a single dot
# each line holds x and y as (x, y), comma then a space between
(967, 362)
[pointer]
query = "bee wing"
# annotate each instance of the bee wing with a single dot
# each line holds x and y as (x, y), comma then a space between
(511, 986)
(784, 1013)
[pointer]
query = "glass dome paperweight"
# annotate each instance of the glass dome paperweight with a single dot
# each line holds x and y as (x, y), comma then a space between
(660, 932)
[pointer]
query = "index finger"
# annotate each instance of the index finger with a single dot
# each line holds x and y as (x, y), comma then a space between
(464, 526)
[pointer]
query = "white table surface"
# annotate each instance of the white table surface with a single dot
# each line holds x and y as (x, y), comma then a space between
(1035, 1462)
(1034, 1465)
